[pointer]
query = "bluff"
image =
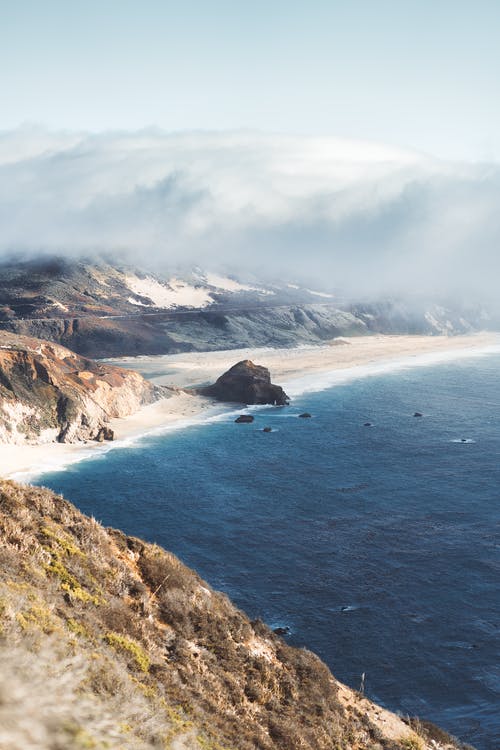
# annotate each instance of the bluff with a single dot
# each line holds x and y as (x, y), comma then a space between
(48, 393)
(107, 641)
(246, 383)
(104, 309)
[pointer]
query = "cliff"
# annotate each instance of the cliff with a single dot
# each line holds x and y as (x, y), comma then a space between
(109, 642)
(104, 309)
(48, 393)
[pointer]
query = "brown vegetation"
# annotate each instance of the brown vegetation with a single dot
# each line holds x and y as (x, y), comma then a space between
(109, 642)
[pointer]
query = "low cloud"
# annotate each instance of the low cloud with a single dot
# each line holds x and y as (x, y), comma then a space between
(361, 217)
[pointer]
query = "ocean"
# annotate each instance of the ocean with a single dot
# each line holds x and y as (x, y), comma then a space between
(376, 546)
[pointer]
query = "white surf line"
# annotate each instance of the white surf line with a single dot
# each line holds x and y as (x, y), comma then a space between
(309, 383)
(217, 413)
(320, 381)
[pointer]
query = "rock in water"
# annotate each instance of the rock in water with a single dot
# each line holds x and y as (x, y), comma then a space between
(305, 415)
(246, 383)
(244, 419)
(418, 414)
(282, 630)
(267, 429)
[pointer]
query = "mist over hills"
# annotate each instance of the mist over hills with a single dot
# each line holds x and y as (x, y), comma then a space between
(151, 243)
(102, 309)
(364, 218)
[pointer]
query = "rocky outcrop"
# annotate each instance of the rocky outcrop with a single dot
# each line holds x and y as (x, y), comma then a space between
(48, 393)
(101, 309)
(110, 642)
(105, 433)
(246, 383)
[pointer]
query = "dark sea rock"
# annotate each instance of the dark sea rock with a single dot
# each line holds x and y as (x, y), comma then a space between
(244, 419)
(368, 424)
(418, 414)
(246, 383)
(305, 415)
(282, 630)
(105, 433)
(267, 429)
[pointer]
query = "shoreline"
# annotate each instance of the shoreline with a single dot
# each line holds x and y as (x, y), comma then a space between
(304, 369)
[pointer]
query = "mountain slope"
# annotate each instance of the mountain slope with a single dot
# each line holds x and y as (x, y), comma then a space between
(103, 309)
(48, 393)
(109, 642)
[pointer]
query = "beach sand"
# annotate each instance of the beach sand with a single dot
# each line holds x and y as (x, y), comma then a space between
(287, 365)
(294, 369)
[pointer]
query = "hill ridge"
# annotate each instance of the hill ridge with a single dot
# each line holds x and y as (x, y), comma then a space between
(107, 641)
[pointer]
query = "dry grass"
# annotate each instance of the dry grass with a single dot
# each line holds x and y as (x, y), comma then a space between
(109, 642)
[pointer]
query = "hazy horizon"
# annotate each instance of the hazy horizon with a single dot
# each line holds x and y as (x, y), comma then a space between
(363, 217)
(417, 74)
(353, 145)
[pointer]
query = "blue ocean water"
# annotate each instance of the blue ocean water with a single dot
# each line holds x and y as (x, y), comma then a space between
(377, 546)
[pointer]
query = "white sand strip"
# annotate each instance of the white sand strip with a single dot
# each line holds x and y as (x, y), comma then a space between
(23, 462)
(288, 365)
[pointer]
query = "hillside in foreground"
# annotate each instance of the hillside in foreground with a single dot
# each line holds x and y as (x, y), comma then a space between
(109, 642)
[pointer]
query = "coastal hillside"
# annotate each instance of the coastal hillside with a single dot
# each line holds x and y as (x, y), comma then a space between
(48, 393)
(105, 309)
(109, 642)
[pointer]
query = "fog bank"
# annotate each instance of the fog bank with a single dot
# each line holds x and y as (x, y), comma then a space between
(361, 217)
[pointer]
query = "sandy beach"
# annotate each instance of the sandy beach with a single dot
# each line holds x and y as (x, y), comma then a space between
(295, 369)
(286, 365)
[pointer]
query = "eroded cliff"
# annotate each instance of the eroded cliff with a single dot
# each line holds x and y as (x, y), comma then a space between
(48, 393)
(105, 309)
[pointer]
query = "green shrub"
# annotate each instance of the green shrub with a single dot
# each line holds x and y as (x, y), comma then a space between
(130, 647)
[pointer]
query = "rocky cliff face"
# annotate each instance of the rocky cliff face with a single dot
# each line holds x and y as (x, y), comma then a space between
(246, 383)
(48, 393)
(109, 642)
(103, 310)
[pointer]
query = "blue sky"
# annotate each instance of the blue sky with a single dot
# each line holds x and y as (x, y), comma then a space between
(421, 74)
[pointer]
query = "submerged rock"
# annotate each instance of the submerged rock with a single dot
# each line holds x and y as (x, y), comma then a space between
(244, 419)
(246, 383)
(305, 415)
(418, 414)
(267, 429)
(368, 424)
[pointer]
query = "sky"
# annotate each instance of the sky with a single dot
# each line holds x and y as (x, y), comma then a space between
(354, 144)
(420, 74)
